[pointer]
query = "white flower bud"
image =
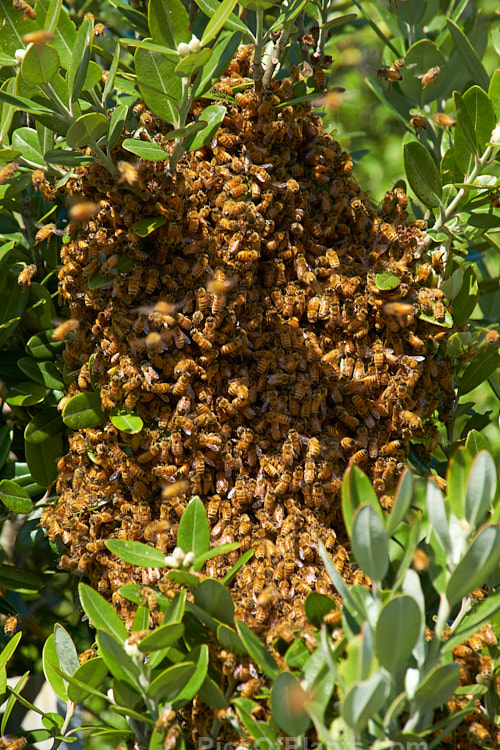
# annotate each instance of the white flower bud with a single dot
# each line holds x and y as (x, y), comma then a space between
(495, 135)
(183, 49)
(171, 562)
(188, 559)
(179, 554)
(132, 649)
(194, 44)
(19, 55)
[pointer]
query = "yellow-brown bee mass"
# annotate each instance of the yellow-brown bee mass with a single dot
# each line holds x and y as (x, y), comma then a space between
(252, 334)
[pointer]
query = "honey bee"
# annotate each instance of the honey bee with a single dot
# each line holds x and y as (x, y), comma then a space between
(83, 211)
(430, 76)
(479, 733)
(10, 626)
(24, 8)
(152, 280)
(42, 36)
(27, 275)
(425, 302)
(439, 311)
(64, 329)
(419, 123)
(390, 75)
(446, 121)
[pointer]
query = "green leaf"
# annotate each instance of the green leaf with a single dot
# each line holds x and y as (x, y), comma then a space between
(101, 614)
(65, 650)
(363, 700)
(217, 21)
(129, 423)
(465, 300)
(146, 150)
(168, 22)
(5, 442)
(26, 140)
(116, 659)
(26, 105)
(386, 280)
(110, 80)
(183, 578)
(14, 301)
(370, 544)
(257, 651)
(64, 30)
(223, 549)
(468, 56)
(245, 557)
(478, 563)
(49, 660)
(229, 639)
(83, 411)
(420, 58)
(42, 459)
(402, 501)
(212, 695)
(80, 58)
(478, 370)
(25, 393)
(494, 92)
(436, 687)
(136, 20)
(213, 116)
(200, 658)
(233, 23)
(161, 637)
(92, 673)
(40, 64)
(222, 54)
(476, 442)
(136, 553)
(481, 488)
(168, 685)
(214, 598)
(193, 62)
(87, 130)
(288, 699)
(438, 518)
(465, 128)
(396, 632)
(193, 534)
(422, 174)
(259, 730)
(160, 88)
(146, 226)
(317, 606)
(456, 481)
(116, 125)
(43, 426)
(356, 490)
(20, 580)
(15, 497)
(481, 114)
(9, 649)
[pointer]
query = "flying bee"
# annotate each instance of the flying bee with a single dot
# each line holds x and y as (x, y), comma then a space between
(83, 211)
(419, 123)
(430, 76)
(446, 121)
(390, 75)
(27, 275)
(65, 328)
(42, 36)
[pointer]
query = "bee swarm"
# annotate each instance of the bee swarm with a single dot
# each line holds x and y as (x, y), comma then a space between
(250, 334)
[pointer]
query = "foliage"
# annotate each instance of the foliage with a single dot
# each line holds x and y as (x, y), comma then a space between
(68, 93)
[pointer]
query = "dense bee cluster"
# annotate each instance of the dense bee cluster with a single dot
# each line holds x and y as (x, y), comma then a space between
(252, 334)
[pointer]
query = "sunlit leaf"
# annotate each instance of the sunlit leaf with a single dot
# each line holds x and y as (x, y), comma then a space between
(83, 410)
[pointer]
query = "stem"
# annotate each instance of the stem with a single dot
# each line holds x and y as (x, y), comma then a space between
(320, 46)
(52, 94)
(441, 620)
(105, 161)
(259, 43)
(276, 54)
(70, 710)
(448, 212)
(184, 108)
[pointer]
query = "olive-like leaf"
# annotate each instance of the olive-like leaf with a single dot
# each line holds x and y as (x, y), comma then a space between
(288, 699)
(370, 543)
(161, 89)
(42, 459)
(437, 516)
(210, 8)
(402, 501)
(168, 22)
(478, 370)
(419, 60)
(87, 129)
(49, 660)
(82, 411)
(116, 125)
(168, 684)
(43, 426)
(437, 686)
(15, 497)
(161, 637)
(80, 58)
(478, 563)
(386, 280)
(397, 630)
(145, 149)
(363, 700)
(101, 614)
(193, 534)
(91, 673)
(146, 226)
(25, 393)
(213, 116)
(217, 21)
(129, 423)
(214, 598)
(422, 174)
(481, 488)
(188, 65)
(468, 55)
(257, 651)
(40, 64)
(136, 553)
